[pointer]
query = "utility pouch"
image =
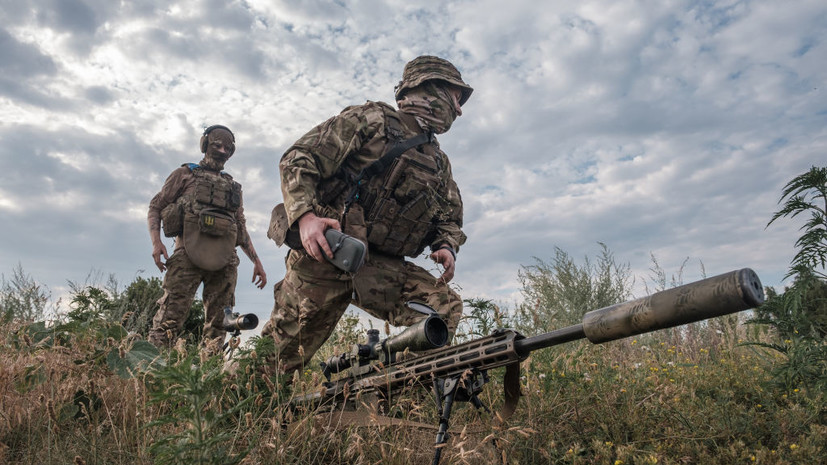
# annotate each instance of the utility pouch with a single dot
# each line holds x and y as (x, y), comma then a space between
(348, 252)
(210, 239)
(280, 231)
(172, 220)
(215, 222)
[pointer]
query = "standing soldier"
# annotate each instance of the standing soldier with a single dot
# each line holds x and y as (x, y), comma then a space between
(200, 206)
(378, 174)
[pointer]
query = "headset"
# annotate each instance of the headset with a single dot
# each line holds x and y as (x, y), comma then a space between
(207, 132)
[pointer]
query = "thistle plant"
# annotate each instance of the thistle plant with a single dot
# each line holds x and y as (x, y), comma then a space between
(197, 424)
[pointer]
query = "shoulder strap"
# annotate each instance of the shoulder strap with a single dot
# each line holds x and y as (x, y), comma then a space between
(196, 166)
(382, 164)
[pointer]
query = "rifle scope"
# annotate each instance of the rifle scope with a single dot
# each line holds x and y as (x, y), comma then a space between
(237, 322)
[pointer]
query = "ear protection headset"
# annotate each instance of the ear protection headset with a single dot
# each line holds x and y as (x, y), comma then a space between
(207, 131)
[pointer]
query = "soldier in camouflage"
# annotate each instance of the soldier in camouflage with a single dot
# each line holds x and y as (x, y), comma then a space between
(410, 205)
(201, 207)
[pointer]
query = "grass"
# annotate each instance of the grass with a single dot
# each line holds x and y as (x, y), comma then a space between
(695, 396)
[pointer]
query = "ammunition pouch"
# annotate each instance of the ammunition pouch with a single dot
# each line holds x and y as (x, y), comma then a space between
(220, 193)
(172, 219)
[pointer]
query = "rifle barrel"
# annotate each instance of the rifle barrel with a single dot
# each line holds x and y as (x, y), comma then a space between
(553, 338)
(708, 298)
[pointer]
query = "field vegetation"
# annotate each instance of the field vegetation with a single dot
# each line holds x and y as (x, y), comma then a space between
(86, 388)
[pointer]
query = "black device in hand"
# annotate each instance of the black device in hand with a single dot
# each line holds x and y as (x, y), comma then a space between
(348, 252)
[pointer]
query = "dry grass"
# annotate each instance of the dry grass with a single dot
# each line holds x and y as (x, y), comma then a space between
(664, 399)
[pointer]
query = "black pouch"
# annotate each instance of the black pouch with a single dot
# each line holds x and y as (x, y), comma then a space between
(348, 252)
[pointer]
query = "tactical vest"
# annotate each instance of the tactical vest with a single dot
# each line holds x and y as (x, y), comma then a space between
(210, 230)
(402, 204)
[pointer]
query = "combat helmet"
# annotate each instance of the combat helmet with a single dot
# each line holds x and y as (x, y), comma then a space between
(427, 67)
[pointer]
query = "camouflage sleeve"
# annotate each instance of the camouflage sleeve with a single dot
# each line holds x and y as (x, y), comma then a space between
(449, 226)
(243, 237)
(320, 153)
(172, 189)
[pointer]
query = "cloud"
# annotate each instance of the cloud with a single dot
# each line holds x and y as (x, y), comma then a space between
(663, 129)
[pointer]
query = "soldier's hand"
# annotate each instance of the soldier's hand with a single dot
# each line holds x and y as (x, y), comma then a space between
(311, 230)
(159, 249)
(258, 273)
(446, 259)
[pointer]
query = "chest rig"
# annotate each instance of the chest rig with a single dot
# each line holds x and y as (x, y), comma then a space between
(210, 229)
(399, 193)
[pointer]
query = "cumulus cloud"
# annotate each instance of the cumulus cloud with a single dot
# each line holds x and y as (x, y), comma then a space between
(657, 128)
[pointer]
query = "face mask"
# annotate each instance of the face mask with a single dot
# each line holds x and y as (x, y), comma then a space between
(220, 148)
(432, 104)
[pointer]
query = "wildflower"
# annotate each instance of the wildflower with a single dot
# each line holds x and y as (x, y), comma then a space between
(622, 390)
(618, 462)
(609, 443)
(793, 446)
(795, 390)
(634, 342)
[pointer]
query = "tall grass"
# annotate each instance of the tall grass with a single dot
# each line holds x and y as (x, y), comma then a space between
(665, 398)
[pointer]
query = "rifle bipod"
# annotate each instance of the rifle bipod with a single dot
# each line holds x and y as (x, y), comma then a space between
(462, 388)
(232, 343)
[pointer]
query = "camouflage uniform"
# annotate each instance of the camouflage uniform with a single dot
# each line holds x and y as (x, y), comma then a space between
(412, 205)
(195, 198)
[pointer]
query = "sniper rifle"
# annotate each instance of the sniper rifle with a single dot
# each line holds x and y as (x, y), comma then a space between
(458, 373)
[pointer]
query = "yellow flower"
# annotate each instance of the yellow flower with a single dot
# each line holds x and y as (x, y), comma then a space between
(793, 446)
(618, 462)
(609, 443)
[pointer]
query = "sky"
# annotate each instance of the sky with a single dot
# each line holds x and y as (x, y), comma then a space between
(662, 128)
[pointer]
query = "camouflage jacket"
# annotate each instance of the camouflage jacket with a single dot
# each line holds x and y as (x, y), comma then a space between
(317, 174)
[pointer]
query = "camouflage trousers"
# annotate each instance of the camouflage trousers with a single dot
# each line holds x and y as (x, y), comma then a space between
(180, 285)
(313, 296)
